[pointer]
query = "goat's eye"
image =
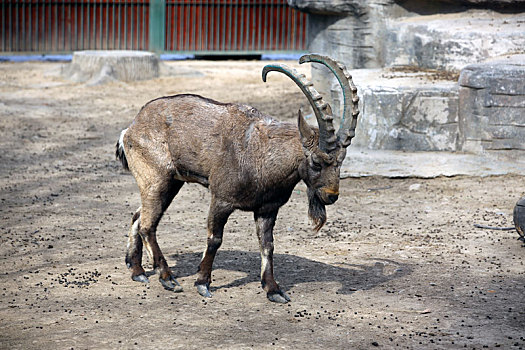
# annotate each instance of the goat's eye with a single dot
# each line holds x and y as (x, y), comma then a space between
(316, 165)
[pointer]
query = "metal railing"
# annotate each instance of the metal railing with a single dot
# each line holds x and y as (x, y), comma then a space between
(164, 26)
(69, 25)
(243, 25)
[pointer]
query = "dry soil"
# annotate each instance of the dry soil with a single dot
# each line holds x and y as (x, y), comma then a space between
(399, 263)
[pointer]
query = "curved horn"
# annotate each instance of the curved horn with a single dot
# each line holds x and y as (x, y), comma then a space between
(322, 111)
(347, 128)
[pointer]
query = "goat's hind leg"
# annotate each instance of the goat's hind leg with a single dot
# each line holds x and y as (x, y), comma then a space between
(134, 251)
(155, 200)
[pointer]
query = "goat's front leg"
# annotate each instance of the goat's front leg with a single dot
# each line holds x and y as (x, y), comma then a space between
(264, 225)
(217, 218)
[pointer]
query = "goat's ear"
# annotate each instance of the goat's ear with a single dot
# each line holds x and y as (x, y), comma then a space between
(306, 131)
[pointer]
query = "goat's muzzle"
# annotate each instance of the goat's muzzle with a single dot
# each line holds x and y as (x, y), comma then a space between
(327, 196)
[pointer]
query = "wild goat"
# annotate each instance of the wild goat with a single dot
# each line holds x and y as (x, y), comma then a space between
(248, 161)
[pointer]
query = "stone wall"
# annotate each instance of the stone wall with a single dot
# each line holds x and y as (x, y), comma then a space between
(356, 38)
(373, 34)
(492, 105)
(409, 119)
(452, 41)
(430, 37)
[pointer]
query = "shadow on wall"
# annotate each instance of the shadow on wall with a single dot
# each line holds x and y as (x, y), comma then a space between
(292, 270)
(455, 6)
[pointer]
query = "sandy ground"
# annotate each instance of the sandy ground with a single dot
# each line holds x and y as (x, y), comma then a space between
(398, 265)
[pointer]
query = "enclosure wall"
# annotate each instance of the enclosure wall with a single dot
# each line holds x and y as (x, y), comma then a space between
(215, 26)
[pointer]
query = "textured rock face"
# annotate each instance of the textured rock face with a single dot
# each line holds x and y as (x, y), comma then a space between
(435, 34)
(358, 40)
(492, 105)
(414, 111)
(487, 3)
(439, 35)
(347, 39)
(340, 7)
(408, 111)
(401, 110)
(409, 119)
(452, 41)
(446, 41)
(329, 7)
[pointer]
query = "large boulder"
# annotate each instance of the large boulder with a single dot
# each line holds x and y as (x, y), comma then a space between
(401, 110)
(330, 7)
(449, 41)
(492, 105)
(452, 41)
(360, 7)
(441, 36)
(409, 118)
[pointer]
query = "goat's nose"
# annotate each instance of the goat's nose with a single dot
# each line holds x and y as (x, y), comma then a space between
(333, 197)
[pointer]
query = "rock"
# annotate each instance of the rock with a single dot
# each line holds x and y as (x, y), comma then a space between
(414, 187)
(99, 67)
(403, 114)
(356, 40)
(359, 7)
(383, 36)
(409, 118)
(452, 41)
(418, 111)
(400, 110)
(519, 217)
(492, 105)
(329, 7)
(488, 3)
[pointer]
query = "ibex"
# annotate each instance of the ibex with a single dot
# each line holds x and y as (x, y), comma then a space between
(248, 161)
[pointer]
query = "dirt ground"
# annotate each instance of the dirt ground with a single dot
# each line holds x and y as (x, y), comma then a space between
(399, 263)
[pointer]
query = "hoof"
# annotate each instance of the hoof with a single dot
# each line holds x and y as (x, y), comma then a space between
(171, 283)
(278, 297)
(140, 278)
(203, 290)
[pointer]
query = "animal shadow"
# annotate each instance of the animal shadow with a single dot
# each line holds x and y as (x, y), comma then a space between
(292, 270)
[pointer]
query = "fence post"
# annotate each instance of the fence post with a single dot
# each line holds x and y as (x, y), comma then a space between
(157, 25)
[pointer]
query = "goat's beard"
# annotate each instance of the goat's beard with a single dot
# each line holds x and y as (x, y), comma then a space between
(316, 210)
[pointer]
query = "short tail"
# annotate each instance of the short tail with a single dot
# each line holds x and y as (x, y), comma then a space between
(119, 150)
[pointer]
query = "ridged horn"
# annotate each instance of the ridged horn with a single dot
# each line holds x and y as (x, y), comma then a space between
(322, 111)
(351, 108)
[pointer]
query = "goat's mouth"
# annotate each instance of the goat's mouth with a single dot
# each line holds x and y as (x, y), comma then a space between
(326, 196)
